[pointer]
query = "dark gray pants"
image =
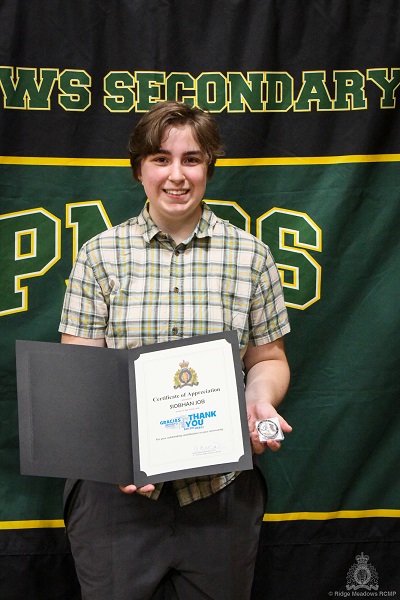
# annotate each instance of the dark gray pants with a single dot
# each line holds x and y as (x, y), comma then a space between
(129, 547)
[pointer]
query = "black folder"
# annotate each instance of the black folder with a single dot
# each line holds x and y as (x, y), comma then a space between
(78, 417)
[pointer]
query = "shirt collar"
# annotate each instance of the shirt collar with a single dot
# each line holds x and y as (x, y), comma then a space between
(204, 227)
(147, 225)
(206, 224)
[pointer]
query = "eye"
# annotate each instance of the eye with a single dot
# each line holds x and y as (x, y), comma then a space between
(193, 160)
(160, 160)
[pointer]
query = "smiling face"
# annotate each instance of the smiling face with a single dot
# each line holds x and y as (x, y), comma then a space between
(174, 180)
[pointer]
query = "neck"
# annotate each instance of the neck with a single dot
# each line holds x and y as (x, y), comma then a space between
(179, 234)
(178, 229)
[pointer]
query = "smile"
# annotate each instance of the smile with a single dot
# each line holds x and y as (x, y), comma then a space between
(176, 192)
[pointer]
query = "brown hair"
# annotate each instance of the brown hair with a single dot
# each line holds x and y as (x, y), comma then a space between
(148, 134)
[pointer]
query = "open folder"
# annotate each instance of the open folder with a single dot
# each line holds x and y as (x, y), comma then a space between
(144, 415)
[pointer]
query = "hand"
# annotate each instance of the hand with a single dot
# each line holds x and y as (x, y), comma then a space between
(267, 382)
(129, 489)
(257, 413)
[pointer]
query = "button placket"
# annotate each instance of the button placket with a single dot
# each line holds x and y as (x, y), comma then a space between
(176, 298)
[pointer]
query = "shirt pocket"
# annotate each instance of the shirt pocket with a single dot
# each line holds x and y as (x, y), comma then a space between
(229, 308)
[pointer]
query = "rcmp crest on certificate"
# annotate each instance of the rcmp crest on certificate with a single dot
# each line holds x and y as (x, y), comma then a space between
(269, 429)
(185, 376)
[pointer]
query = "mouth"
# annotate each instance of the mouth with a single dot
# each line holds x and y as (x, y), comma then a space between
(176, 193)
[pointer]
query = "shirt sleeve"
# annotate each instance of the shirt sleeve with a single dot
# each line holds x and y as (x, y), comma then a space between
(85, 309)
(268, 318)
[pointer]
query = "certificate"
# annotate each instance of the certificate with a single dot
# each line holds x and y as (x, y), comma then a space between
(145, 415)
(189, 408)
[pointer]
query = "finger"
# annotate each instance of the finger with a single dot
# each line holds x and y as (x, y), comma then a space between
(146, 488)
(260, 447)
(273, 445)
(257, 447)
(285, 425)
(251, 422)
(128, 489)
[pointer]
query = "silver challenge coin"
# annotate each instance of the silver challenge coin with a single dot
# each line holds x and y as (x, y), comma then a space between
(269, 429)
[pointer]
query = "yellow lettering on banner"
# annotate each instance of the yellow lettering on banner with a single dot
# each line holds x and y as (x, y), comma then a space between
(246, 92)
(86, 219)
(149, 88)
(44, 230)
(26, 251)
(178, 83)
(30, 88)
(211, 91)
(20, 253)
(75, 90)
(350, 90)
(313, 90)
(388, 85)
(290, 234)
(280, 92)
(289, 241)
(119, 89)
(25, 90)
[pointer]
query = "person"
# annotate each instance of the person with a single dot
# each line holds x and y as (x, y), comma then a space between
(176, 271)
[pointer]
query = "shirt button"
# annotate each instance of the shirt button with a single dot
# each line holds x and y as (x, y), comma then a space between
(174, 331)
(176, 252)
(176, 290)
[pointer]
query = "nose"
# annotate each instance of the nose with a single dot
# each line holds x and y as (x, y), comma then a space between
(176, 172)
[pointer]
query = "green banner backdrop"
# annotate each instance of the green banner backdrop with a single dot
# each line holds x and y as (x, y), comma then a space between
(306, 95)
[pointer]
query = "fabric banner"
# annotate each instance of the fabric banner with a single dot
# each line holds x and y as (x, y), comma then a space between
(306, 96)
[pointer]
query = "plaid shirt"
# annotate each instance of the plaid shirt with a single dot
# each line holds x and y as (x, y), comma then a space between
(132, 285)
